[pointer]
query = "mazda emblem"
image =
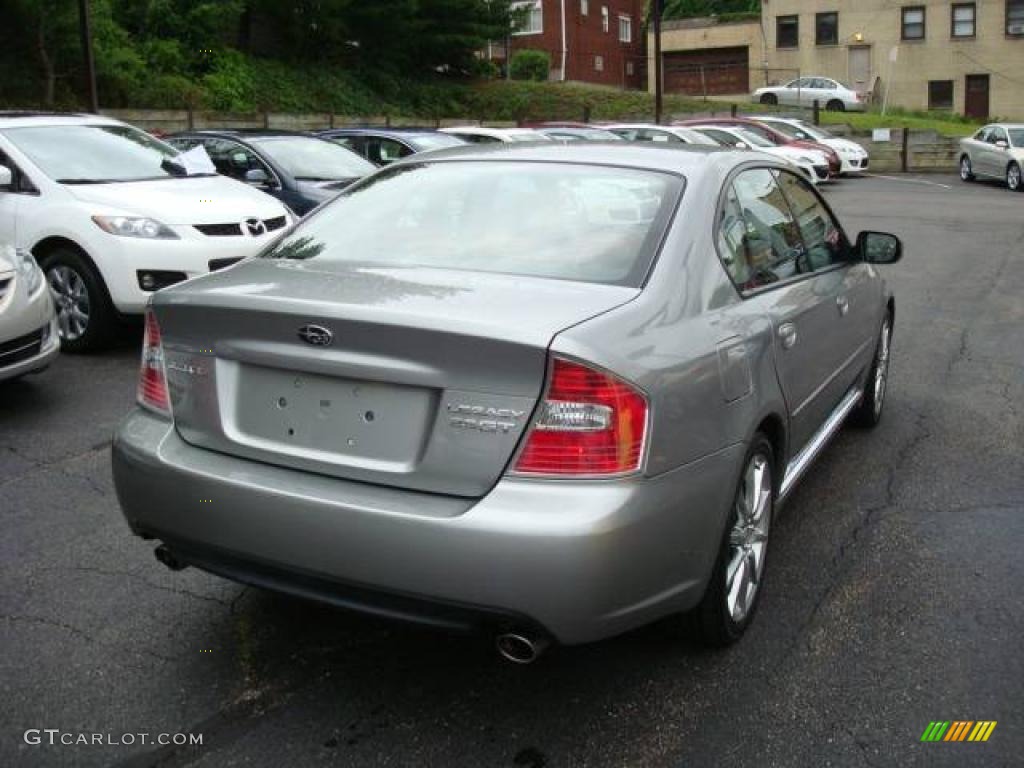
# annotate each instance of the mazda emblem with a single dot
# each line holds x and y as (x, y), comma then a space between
(316, 335)
(255, 227)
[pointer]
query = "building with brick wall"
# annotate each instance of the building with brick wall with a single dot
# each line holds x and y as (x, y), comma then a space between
(589, 41)
(964, 57)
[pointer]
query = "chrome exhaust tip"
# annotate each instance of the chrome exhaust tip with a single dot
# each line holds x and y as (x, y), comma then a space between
(520, 649)
(165, 556)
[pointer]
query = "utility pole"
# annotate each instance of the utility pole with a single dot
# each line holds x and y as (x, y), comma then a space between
(90, 64)
(658, 85)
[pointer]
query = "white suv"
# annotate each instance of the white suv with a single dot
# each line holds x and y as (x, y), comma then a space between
(112, 216)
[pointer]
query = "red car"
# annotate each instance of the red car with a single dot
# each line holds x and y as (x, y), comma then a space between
(773, 135)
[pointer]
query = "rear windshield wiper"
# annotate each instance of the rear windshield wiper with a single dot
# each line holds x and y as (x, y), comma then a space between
(83, 181)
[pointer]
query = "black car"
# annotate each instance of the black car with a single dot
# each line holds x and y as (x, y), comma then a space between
(299, 169)
(382, 146)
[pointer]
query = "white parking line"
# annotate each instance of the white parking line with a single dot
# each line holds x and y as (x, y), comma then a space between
(908, 181)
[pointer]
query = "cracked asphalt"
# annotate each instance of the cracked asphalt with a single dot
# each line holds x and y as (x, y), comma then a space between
(893, 594)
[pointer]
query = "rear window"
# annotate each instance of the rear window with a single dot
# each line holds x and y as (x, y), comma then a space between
(559, 220)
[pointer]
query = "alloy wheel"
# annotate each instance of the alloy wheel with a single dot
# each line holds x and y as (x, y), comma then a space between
(882, 366)
(748, 540)
(1013, 177)
(71, 295)
(965, 168)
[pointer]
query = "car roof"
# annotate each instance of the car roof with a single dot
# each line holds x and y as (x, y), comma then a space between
(1002, 125)
(573, 130)
(24, 118)
(383, 130)
(244, 133)
(485, 131)
(690, 160)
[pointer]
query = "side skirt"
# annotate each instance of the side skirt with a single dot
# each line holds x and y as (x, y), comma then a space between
(800, 463)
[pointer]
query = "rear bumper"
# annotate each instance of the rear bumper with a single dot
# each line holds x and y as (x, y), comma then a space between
(577, 560)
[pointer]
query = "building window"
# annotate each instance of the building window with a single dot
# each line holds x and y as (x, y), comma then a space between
(533, 23)
(940, 94)
(912, 27)
(1015, 18)
(787, 31)
(599, 63)
(604, 18)
(826, 29)
(630, 69)
(625, 29)
(964, 17)
(584, 7)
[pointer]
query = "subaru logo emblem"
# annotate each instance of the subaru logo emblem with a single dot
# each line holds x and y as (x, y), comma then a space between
(316, 335)
(255, 227)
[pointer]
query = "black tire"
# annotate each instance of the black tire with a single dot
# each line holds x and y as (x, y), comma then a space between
(769, 98)
(714, 619)
(868, 412)
(835, 105)
(1014, 182)
(966, 171)
(97, 330)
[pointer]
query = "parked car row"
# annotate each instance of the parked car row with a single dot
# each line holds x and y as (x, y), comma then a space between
(113, 214)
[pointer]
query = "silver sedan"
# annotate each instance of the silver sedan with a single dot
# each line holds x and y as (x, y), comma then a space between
(994, 152)
(549, 392)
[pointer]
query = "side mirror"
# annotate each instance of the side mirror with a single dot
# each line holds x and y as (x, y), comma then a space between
(257, 176)
(5, 177)
(741, 145)
(1002, 144)
(879, 247)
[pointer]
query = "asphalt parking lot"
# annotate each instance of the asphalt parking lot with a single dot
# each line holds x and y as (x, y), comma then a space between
(893, 595)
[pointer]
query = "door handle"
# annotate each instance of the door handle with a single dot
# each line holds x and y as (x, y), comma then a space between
(844, 305)
(787, 335)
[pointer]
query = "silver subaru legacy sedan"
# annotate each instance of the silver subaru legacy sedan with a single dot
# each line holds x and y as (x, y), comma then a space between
(547, 392)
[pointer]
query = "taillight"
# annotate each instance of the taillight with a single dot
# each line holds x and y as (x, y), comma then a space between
(152, 391)
(589, 423)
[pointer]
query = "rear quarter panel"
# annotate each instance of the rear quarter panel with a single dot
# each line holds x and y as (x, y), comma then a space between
(703, 357)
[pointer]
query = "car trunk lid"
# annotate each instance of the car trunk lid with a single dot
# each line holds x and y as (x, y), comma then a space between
(428, 380)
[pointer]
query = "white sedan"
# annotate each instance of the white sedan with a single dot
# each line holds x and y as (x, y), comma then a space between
(813, 164)
(804, 91)
(853, 158)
